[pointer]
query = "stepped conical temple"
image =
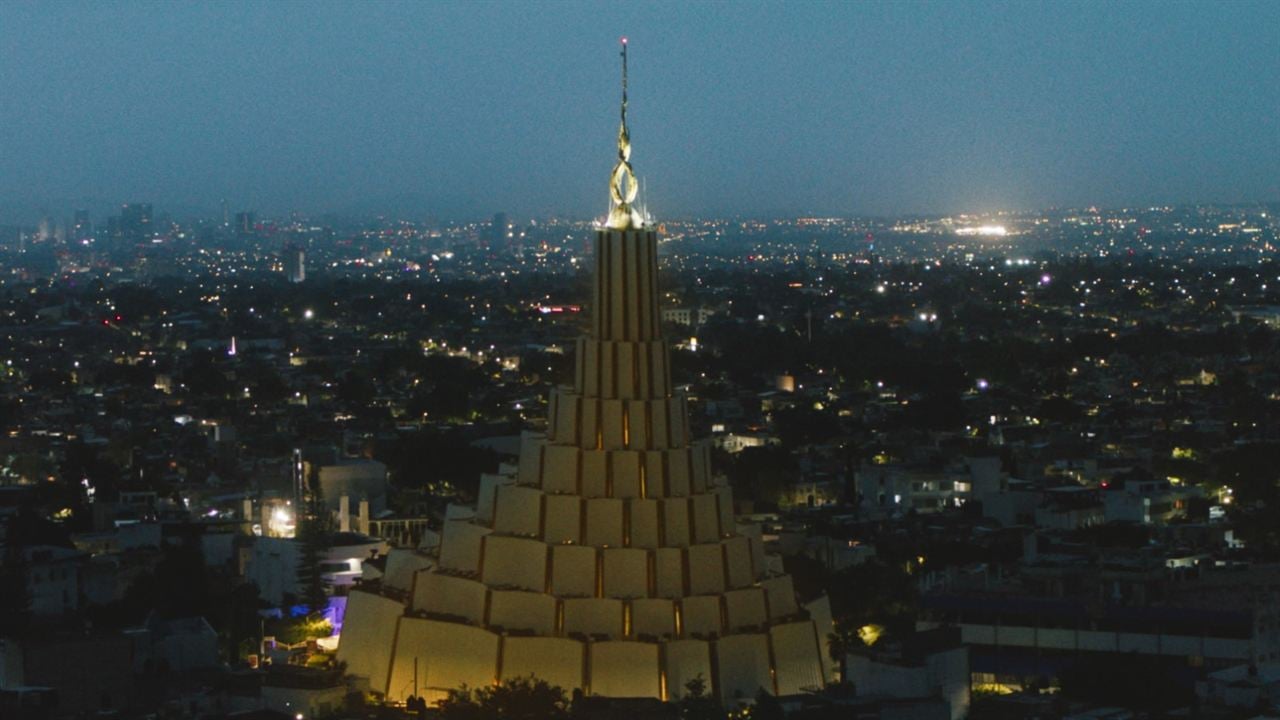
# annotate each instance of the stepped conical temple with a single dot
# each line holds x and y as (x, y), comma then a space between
(610, 559)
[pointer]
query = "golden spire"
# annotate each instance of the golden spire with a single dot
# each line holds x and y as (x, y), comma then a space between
(622, 183)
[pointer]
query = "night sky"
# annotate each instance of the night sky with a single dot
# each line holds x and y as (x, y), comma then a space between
(460, 110)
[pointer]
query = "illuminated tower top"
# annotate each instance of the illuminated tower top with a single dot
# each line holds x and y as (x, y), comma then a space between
(622, 182)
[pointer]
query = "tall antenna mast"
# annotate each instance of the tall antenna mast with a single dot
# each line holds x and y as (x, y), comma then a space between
(622, 183)
(624, 95)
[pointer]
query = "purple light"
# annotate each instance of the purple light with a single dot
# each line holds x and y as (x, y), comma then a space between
(983, 384)
(1044, 279)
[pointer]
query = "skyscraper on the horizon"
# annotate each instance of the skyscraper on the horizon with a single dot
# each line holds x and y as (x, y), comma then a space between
(500, 233)
(610, 559)
(295, 263)
(135, 222)
(246, 223)
(80, 228)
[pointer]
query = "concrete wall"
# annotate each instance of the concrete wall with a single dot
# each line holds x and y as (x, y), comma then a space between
(357, 479)
(1107, 641)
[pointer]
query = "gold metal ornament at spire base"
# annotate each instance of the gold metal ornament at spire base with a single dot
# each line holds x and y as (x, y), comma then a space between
(623, 187)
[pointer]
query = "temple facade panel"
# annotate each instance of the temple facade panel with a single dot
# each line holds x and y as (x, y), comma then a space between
(514, 562)
(701, 616)
(626, 573)
(653, 619)
(625, 669)
(559, 661)
(522, 611)
(433, 657)
(595, 618)
(745, 668)
(683, 661)
(574, 570)
(797, 657)
(745, 609)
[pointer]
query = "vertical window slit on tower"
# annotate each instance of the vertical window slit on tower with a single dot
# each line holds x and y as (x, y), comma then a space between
(626, 523)
(642, 287)
(608, 475)
(648, 424)
(597, 320)
(582, 522)
(691, 511)
(626, 425)
(666, 411)
(652, 245)
(651, 573)
(662, 674)
(684, 572)
(497, 667)
(598, 368)
(662, 524)
(644, 480)
(665, 469)
(577, 472)
(553, 414)
(617, 296)
(773, 662)
(624, 290)
(488, 606)
(604, 266)
(640, 257)
(724, 564)
(599, 573)
(550, 570)
(633, 349)
(542, 459)
(580, 372)
(542, 516)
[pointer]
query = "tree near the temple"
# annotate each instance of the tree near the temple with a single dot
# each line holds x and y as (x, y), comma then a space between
(524, 698)
(313, 539)
(697, 703)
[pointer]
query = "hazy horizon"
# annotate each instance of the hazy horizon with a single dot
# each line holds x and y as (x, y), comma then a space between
(457, 111)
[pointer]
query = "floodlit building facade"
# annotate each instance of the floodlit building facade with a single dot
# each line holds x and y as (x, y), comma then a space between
(610, 561)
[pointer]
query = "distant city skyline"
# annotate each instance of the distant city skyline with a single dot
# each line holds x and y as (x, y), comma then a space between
(462, 110)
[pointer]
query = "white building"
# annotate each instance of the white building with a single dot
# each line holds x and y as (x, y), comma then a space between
(1242, 687)
(896, 488)
(941, 673)
(272, 563)
(1147, 502)
(687, 316)
(734, 443)
(358, 479)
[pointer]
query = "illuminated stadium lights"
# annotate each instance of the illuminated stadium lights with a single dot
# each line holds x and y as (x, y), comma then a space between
(984, 231)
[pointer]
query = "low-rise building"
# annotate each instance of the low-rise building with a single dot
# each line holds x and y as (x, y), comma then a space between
(928, 665)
